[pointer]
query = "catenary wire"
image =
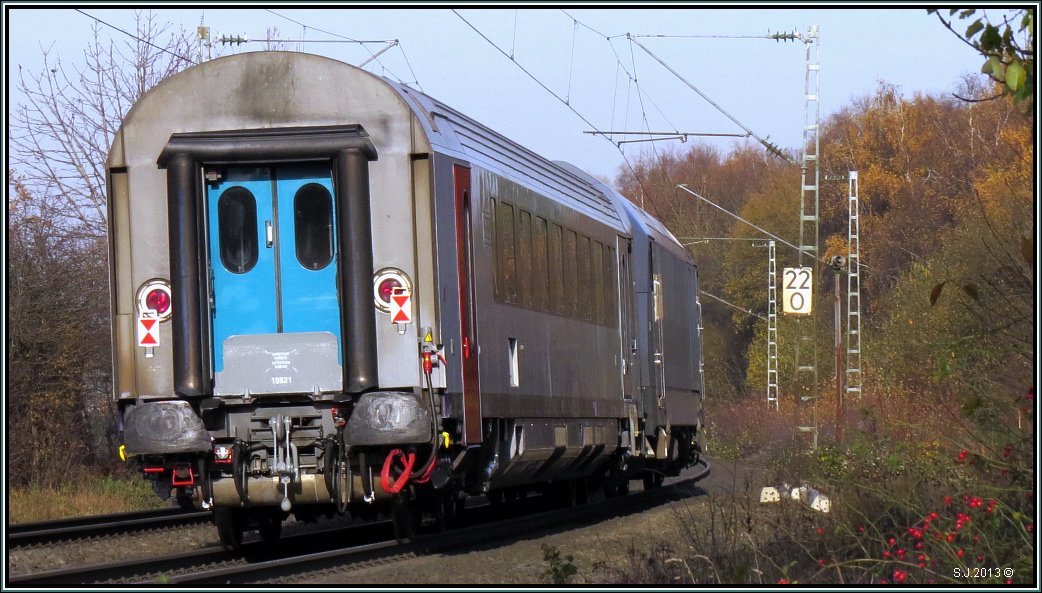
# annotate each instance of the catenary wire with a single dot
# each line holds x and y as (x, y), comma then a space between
(163, 49)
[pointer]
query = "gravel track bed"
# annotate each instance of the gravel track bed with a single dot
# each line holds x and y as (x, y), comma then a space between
(600, 551)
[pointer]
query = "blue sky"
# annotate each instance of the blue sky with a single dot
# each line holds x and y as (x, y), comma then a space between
(759, 82)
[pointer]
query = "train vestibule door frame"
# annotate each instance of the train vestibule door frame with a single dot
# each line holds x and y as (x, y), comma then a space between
(468, 316)
(629, 369)
(658, 317)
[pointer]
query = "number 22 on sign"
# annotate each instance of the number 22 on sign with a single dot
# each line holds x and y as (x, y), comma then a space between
(797, 291)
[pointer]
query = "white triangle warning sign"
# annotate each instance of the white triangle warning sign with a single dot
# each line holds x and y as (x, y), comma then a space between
(401, 306)
(147, 331)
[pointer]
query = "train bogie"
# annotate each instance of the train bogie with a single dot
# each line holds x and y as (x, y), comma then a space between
(332, 293)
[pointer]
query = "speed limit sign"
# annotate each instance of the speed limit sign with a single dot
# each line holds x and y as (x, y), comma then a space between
(797, 292)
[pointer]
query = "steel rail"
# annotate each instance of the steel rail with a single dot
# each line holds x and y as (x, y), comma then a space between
(302, 553)
(146, 570)
(27, 534)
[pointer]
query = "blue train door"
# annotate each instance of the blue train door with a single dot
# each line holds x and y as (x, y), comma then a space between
(272, 252)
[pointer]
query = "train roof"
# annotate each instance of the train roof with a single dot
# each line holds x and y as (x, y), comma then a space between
(453, 132)
(322, 102)
(560, 180)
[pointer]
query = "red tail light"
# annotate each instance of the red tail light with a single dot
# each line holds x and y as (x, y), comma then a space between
(384, 283)
(154, 295)
(158, 300)
(387, 287)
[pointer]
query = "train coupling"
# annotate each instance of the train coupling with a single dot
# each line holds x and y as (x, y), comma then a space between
(287, 461)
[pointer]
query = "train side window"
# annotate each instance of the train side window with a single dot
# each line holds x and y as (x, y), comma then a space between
(598, 281)
(556, 270)
(237, 229)
(505, 251)
(570, 293)
(611, 304)
(313, 226)
(524, 257)
(540, 276)
(585, 282)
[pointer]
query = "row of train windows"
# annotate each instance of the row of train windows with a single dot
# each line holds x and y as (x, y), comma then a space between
(545, 266)
(312, 228)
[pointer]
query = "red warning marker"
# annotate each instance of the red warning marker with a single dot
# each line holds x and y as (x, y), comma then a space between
(147, 330)
(401, 306)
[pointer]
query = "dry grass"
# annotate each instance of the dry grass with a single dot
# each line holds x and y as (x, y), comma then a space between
(81, 495)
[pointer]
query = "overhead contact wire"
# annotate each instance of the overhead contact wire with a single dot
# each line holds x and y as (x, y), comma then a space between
(540, 83)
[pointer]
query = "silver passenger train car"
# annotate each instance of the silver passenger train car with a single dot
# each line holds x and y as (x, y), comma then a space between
(334, 294)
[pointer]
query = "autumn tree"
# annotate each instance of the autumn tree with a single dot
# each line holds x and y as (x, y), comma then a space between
(58, 343)
(1008, 48)
(58, 357)
(61, 133)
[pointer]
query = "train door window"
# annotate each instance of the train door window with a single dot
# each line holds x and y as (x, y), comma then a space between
(497, 282)
(505, 248)
(237, 224)
(540, 276)
(585, 281)
(598, 281)
(556, 270)
(524, 257)
(570, 274)
(313, 226)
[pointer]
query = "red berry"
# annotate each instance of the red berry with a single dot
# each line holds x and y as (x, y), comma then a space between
(959, 553)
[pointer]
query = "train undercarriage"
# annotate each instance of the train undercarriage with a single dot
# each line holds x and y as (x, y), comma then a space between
(312, 460)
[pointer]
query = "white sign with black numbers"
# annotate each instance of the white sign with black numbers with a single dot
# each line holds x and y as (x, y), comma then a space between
(797, 292)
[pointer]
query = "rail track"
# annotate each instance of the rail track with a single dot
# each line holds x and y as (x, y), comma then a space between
(345, 549)
(45, 532)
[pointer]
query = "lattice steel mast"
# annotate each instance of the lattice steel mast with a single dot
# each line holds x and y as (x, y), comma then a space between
(853, 292)
(806, 345)
(772, 327)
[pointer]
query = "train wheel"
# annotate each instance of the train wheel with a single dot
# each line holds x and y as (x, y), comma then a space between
(653, 480)
(230, 525)
(615, 486)
(270, 525)
(566, 493)
(458, 508)
(440, 513)
(403, 517)
(185, 501)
